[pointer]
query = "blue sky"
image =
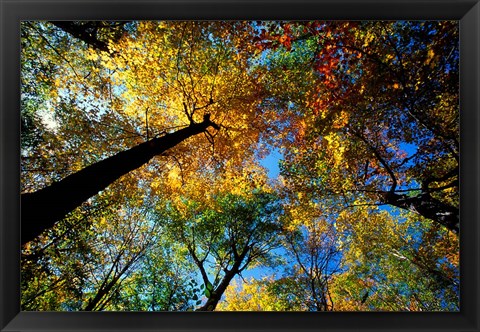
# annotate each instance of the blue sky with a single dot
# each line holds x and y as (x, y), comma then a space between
(271, 161)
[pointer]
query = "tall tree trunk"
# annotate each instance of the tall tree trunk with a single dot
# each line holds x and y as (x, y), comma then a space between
(80, 31)
(428, 207)
(41, 209)
(106, 287)
(217, 293)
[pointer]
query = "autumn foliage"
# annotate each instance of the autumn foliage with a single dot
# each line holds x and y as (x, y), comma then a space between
(148, 170)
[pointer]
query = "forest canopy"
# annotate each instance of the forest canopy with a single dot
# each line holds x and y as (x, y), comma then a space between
(240, 166)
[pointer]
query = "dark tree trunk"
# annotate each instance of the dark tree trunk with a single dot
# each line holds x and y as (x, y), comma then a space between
(428, 207)
(107, 287)
(82, 33)
(216, 295)
(101, 294)
(41, 209)
(86, 32)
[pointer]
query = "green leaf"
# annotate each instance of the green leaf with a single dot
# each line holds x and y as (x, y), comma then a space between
(209, 286)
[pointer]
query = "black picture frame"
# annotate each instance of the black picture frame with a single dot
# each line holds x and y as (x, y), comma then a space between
(14, 11)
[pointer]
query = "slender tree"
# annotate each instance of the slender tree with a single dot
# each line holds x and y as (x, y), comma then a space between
(41, 209)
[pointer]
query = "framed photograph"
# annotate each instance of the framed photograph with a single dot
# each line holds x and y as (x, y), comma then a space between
(252, 166)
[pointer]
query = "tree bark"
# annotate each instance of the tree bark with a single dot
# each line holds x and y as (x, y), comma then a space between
(106, 287)
(217, 293)
(428, 207)
(80, 32)
(41, 209)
